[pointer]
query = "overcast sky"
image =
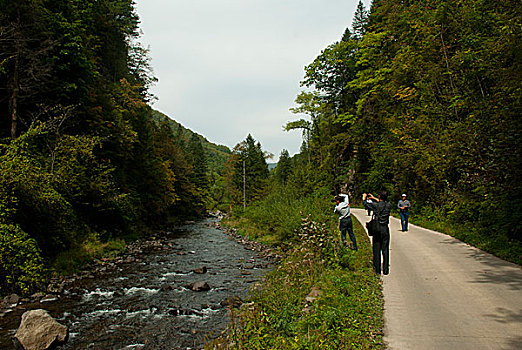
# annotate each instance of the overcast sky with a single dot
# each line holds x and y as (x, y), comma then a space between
(227, 68)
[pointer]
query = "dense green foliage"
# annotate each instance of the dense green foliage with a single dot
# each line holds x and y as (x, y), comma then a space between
(207, 161)
(83, 160)
(21, 265)
(422, 97)
(425, 98)
(321, 295)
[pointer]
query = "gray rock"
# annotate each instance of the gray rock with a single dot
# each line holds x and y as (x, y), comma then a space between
(10, 301)
(199, 286)
(232, 302)
(200, 270)
(166, 288)
(37, 296)
(39, 331)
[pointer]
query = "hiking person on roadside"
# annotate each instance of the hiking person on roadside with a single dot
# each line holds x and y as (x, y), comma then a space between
(404, 205)
(342, 208)
(381, 239)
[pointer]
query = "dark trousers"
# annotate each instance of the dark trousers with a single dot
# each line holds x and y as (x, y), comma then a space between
(347, 225)
(381, 245)
(404, 220)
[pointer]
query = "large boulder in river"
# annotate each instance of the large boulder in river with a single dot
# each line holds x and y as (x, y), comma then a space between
(39, 331)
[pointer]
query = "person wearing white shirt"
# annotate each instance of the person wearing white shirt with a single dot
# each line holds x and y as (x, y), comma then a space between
(342, 208)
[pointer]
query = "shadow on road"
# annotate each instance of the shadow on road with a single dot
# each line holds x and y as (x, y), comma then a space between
(506, 316)
(515, 343)
(496, 270)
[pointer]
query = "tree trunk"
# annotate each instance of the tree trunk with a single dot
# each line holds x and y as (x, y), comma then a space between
(13, 100)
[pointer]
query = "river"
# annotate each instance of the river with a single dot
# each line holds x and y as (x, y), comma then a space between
(145, 302)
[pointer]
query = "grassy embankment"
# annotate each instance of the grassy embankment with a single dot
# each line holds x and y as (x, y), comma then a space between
(320, 296)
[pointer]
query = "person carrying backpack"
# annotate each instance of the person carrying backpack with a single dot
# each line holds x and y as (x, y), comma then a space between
(381, 239)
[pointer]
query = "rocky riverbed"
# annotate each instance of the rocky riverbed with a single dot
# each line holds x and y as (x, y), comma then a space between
(172, 291)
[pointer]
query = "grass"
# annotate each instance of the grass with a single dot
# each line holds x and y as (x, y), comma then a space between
(320, 296)
(72, 260)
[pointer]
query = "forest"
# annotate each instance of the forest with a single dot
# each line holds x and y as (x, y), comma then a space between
(85, 162)
(423, 98)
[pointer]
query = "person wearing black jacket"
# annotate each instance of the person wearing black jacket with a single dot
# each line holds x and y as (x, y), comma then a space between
(381, 240)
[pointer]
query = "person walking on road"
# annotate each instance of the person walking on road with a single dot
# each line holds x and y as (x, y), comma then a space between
(381, 240)
(404, 205)
(342, 209)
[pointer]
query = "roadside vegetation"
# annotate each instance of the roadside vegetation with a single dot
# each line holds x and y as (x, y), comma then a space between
(321, 295)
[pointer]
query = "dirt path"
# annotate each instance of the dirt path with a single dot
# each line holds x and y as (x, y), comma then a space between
(444, 294)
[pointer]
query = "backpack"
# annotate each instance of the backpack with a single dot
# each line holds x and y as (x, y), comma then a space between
(373, 225)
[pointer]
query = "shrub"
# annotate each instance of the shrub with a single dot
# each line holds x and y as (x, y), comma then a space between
(21, 266)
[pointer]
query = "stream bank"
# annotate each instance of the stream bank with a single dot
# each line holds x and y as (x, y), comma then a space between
(145, 299)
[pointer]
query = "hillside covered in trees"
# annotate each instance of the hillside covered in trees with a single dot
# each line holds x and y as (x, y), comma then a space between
(423, 97)
(84, 160)
(417, 97)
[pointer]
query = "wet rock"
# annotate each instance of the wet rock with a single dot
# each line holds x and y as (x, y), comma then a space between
(200, 270)
(4, 312)
(216, 307)
(49, 298)
(199, 286)
(55, 288)
(166, 288)
(232, 302)
(75, 291)
(184, 312)
(10, 301)
(39, 331)
(129, 260)
(190, 222)
(37, 296)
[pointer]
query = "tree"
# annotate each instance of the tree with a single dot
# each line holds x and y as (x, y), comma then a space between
(284, 167)
(247, 158)
(198, 160)
(360, 21)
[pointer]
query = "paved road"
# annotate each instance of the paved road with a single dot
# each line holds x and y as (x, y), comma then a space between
(444, 294)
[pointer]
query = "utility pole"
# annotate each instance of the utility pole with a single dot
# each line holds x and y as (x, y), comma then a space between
(244, 184)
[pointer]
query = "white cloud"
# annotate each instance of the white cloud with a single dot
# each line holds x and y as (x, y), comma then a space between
(227, 68)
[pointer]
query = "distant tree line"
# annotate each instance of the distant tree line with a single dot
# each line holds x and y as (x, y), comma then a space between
(81, 156)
